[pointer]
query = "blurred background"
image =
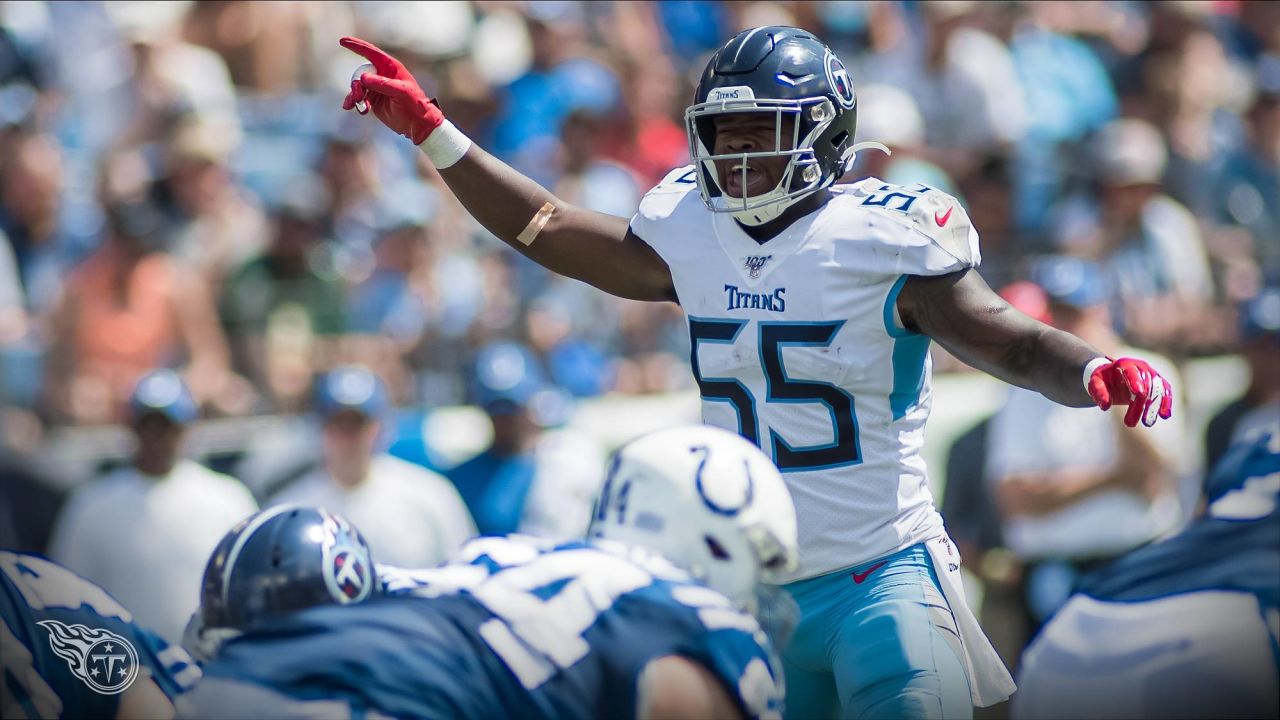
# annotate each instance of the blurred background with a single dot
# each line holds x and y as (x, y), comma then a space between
(180, 190)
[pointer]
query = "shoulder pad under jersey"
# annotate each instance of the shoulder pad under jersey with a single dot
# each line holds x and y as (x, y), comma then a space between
(926, 210)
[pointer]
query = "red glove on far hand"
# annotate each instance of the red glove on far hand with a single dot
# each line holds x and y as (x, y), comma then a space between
(1132, 382)
(394, 95)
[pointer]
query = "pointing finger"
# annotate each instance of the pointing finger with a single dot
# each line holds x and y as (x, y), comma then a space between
(385, 64)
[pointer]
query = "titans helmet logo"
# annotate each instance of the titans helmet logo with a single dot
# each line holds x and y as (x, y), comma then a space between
(348, 570)
(106, 662)
(841, 85)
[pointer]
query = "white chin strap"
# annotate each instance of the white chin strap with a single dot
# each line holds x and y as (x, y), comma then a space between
(772, 208)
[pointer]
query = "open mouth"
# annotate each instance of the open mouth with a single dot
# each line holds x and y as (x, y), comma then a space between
(739, 184)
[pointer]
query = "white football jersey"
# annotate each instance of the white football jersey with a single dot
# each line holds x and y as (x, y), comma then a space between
(797, 346)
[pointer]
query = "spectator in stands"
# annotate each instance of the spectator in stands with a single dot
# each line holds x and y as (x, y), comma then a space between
(527, 480)
(1069, 96)
(1075, 487)
(1260, 403)
(576, 363)
(411, 516)
(587, 178)
(216, 226)
(31, 185)
(392, 303)
(130, 307)
(1249, 184)
(966, 87)
(889, 115)
(391, 300)
(349, 169)
(644, 136)
(169, 77)
(1151, 248)
(144, 532)
(276, 305)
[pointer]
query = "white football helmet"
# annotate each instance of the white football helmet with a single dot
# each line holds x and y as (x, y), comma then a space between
(705, 499)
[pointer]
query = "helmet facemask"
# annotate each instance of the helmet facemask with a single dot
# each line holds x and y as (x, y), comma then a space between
(802, 175)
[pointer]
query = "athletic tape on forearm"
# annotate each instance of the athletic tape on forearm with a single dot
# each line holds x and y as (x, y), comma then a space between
(445, 145)
(1094, 364)
(536, 223)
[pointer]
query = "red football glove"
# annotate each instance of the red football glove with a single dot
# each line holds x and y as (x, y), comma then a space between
(1132, 382)
(394, 95)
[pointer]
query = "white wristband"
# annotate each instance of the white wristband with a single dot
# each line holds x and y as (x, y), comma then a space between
(445, 146)
(1094, 364)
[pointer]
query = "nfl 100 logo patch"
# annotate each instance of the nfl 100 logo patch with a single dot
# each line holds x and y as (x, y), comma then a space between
(756, 263)
(106, 662)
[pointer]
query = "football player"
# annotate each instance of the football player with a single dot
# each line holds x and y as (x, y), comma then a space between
(810, 306)
(651, 616)
(1188, 627)
(286, 558)
(69, 650)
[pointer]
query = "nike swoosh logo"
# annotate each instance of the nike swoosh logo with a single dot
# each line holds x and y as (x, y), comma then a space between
(942, 219)
(858, 577)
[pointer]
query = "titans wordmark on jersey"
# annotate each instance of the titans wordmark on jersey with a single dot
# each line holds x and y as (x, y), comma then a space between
(796, 345)
(513, 628)
(69, 649)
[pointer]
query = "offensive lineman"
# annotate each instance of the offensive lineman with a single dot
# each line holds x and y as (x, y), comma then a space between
(1184, 628)
(810, 308)
(644, 619)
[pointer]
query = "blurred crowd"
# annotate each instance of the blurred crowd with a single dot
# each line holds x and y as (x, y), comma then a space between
(179, 189)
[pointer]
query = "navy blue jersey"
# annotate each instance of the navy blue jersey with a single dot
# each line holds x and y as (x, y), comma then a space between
(1235, 546)
(510, 630)
(69, 649)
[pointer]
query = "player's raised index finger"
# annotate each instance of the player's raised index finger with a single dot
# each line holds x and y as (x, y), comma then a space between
(382, 62)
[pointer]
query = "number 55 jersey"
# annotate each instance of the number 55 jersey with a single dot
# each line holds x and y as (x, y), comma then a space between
(796, 345)
(511, 630)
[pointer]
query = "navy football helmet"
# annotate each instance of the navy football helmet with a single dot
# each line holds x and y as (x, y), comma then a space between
(283, 559)
(783, 71)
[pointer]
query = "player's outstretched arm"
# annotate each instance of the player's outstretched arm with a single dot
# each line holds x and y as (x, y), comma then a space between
(976, 325)
(593, 247)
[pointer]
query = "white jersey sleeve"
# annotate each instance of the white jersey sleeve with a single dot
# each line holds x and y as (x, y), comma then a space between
(675, 195)
(911, 229)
